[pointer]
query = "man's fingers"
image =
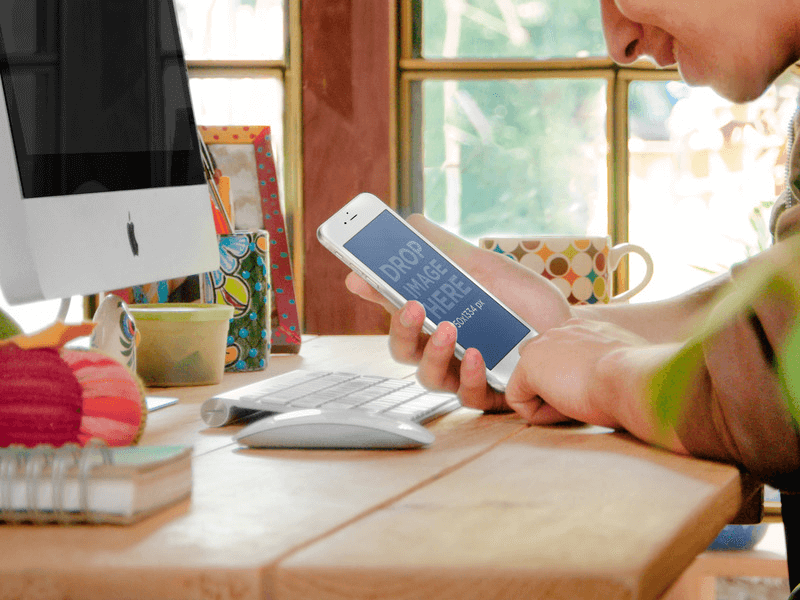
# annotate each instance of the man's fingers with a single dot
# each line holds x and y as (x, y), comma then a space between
(406, 341)
(358, 286)
(523, 389)
(473, 390)
(438, 369)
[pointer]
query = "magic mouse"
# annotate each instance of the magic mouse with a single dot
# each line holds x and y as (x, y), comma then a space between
(317, 428)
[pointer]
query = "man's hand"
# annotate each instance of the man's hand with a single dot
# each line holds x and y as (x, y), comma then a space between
(531, 296)
(593, 372)
(563, 372)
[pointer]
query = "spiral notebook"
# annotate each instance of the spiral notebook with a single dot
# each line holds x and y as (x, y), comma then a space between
(94, 484)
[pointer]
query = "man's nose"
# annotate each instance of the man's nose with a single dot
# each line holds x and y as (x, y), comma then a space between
(627, 44)
(624, 38)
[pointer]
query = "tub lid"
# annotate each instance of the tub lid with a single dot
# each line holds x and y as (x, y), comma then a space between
(178, 311)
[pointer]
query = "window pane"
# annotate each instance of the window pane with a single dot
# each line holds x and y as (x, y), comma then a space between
(703, 175)
(511, 28)
(515, 156)
(219, 101)
(232, 29)
(34, 316)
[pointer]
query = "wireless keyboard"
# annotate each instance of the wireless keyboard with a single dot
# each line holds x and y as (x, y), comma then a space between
(295, 390)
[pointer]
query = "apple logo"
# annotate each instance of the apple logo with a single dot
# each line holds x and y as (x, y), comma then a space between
(132, 237)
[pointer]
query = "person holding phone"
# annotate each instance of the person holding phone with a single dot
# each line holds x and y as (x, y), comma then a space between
(402, 265)
(593, 363)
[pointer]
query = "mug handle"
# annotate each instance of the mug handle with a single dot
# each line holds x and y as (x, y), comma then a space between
(615, 255)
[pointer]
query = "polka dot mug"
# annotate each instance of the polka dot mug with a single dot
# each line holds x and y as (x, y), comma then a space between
(579, 266)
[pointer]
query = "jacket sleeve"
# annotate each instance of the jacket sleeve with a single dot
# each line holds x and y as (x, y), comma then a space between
(740, 413)
(785, 218)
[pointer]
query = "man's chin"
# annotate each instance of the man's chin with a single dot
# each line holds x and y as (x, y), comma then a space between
(740, 94)
(737, 91)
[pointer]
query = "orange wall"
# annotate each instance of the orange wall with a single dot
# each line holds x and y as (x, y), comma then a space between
(346, 141)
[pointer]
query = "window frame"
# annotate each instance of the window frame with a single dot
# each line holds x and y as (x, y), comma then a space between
(288, 72)
(413, 69)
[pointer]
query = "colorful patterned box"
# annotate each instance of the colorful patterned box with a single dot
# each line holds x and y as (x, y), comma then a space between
(243, 282)
(244, 155)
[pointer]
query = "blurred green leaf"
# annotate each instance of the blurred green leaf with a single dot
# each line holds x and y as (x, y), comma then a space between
(670, 386)
(775, 278)
(789, 371)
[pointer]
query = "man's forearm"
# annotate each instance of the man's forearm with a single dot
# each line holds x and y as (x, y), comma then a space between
(662, 321)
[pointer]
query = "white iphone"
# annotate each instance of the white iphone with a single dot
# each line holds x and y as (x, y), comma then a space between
(394, 258)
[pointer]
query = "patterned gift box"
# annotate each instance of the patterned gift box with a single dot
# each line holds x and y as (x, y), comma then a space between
(243, 282)
(244, 155)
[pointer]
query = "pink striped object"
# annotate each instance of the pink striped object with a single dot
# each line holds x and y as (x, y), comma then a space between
(113, 398)
(57, 396)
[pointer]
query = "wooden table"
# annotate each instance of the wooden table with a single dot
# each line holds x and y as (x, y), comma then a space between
(493, 509)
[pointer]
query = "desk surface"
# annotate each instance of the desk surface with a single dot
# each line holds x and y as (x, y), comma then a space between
(493, 508)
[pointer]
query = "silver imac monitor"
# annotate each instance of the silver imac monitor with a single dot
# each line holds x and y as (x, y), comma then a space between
(101, 176)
